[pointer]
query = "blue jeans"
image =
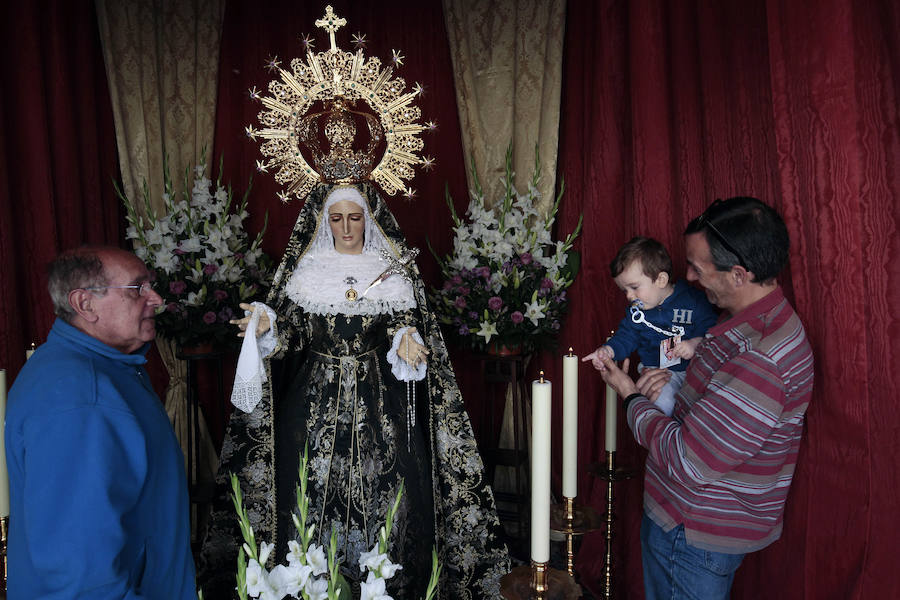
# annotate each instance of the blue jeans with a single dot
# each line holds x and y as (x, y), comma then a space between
(673, 570)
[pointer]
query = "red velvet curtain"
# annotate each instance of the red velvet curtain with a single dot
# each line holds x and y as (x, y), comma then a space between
(668, 105)
(57, 158)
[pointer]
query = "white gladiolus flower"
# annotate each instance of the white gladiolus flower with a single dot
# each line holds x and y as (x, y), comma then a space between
(388, 569)
(264, 551)
(257, 580)
(295, 553)
(165, 261)
(316, 589)
(371, 560)
(315, 558)
(287, 581)
(373, 589)
(191, 244)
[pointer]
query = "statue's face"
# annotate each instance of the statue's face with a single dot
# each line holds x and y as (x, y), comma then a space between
(348, 225)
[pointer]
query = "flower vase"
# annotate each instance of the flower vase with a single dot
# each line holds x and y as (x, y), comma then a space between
(501, 349)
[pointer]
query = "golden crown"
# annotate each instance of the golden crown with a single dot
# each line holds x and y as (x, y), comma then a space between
(342, 82)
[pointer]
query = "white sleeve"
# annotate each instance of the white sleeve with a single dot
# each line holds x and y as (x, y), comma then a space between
(399, 367)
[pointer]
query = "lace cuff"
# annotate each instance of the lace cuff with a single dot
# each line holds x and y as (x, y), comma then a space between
(251, 373)
(268, 341)
(399, 367)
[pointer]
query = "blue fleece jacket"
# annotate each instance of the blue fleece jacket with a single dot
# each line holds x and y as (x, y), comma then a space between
(98, 494)
(686, 306)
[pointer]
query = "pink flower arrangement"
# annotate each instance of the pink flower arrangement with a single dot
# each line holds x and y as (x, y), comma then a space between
(506, 278)
(205, 264)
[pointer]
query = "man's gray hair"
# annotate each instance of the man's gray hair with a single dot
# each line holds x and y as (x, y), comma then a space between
(72, 270)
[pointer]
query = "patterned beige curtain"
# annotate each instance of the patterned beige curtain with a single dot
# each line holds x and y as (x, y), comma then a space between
(507, 62)
(162, 59)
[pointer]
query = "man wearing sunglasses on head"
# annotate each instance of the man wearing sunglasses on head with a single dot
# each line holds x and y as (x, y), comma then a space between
(98, 494)
(718, 470)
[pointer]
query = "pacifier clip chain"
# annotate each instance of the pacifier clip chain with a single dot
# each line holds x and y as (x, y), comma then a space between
(637, 317)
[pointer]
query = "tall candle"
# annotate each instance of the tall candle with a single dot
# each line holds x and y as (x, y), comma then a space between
(611, 402)
(30, 351)
(540, 470)
(570, 426)
(4, 477)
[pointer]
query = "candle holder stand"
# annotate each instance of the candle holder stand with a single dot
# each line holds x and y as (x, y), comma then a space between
(611, 474)
(538, 581)
(572, 521)
(4, 528)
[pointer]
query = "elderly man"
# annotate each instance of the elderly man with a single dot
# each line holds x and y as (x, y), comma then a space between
(719, 469)
(99, 505)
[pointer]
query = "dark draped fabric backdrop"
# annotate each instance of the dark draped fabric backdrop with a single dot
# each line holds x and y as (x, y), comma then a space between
(666, 105)
(57, 158)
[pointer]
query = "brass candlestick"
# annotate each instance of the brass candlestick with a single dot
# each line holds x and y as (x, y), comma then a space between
(539, 579)
(4, 526)
(522, 582)
(572, 520)
(611, 474)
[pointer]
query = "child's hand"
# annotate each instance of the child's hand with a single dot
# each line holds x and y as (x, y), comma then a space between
(596, 357)
(685, 348)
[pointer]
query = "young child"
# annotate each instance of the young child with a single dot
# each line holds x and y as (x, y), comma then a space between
(667, 319)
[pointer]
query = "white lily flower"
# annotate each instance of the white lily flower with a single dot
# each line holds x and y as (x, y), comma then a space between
(535, 311)
(487, 329)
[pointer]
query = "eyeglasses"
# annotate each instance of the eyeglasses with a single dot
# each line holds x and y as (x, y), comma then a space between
(143, 288)
(704, 221)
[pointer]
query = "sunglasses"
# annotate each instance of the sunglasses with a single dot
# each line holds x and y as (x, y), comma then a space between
(703, 221)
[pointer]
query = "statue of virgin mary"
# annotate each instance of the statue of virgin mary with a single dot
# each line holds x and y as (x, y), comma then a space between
(359, 376)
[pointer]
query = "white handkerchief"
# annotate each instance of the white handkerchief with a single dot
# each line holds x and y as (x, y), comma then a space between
(251, 373)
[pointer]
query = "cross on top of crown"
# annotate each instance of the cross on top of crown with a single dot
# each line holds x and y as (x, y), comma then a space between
(331, 23)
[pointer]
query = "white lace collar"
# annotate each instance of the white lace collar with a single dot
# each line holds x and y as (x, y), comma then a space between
(320, 282)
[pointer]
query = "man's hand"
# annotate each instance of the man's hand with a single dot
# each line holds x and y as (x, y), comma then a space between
(261, 327)
(652, 381)
(617, 378)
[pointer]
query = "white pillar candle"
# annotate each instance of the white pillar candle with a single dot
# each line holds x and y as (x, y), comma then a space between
(540, 470)
(4, 477)
(30, 351)
(611, 402)
(570, 426)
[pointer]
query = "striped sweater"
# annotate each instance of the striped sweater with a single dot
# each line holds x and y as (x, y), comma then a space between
(723, 463)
